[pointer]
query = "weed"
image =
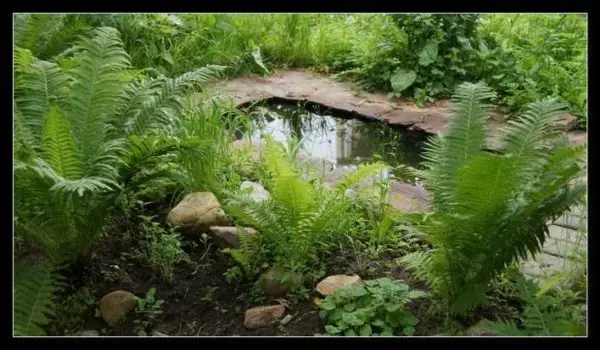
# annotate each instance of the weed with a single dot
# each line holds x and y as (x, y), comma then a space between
(147, 310)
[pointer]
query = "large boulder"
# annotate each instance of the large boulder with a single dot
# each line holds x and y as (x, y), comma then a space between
(332, 283)
(228, 236)
(196, 212)
(261, 316)
(114, 306)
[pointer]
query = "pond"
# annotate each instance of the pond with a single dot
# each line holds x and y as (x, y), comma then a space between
(340, 138)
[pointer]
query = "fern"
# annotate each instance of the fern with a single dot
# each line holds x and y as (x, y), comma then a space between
(543, 315)
(59, 146)
(35, 285)
(71, 160)
(299, 216)
(492, 209)
(96, 90)
(162, 103)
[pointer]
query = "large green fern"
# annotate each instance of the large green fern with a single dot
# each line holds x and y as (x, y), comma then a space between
(299, 217)
(74, 149)
(491, 209)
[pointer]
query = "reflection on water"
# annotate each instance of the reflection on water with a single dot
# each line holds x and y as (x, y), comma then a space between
(340, 141)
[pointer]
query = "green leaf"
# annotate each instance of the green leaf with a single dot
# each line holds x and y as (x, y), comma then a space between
(350, 333)
(258, 58)
(429, 53)
(414, 294)
(365, 330)
(167, 57)
(391, 307)
(387, 331)
(332, 329)
(408, 330)
(378, 323)
(350, 307)
(352, 319)
(402, 79)
(410, 320)
(327, 304)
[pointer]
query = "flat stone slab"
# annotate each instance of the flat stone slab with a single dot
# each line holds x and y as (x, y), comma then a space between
(300, 85)
(567, 234)
(544, 265)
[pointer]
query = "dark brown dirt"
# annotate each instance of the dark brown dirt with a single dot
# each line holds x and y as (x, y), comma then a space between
(200, 302)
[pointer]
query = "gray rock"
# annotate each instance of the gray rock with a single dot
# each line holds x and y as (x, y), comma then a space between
(228, 236)
(257, 191)
(286, 319)
(196, 212)
(261, 316)
(332, 283)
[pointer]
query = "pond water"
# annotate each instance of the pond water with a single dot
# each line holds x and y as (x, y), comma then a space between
(328, 135)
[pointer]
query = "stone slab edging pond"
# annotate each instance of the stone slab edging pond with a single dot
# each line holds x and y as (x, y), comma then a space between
(345, 97)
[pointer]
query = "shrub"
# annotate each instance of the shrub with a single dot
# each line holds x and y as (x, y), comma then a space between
(492, 209)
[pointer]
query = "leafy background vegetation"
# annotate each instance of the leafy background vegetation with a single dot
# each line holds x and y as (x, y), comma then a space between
(524, 57)
(112, 115)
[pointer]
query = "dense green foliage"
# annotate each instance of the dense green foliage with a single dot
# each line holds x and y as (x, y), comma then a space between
(297, 218)
(492, 209)
(112, 117)
(375, 307)
(75, 147)
(523, 57)
(545, 314)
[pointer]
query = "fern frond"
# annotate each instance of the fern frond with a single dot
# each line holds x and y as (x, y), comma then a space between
(161, 103)
(98, 82)
(59, 146)
(40, 85)
(34, 31)
(364, 171)
(35, 286)
(525, 135)
(463, 140)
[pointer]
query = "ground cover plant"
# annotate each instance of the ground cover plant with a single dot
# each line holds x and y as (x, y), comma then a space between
(147, 203)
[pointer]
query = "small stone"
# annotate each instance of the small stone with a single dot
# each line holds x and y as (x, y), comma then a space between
(332, 283)
(228, 236)
(257, 191)
(261, 316)
(286, 319)
(277, 281)
(89, 333)
(196, 212)
(567, 122)
(114, 306)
